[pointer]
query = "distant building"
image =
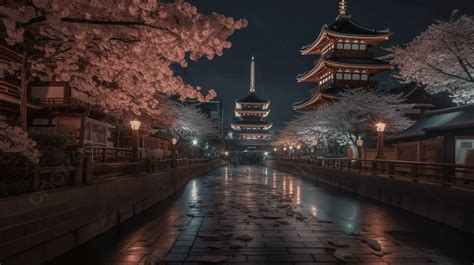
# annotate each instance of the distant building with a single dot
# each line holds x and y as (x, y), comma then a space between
(346, 60)
(444, 136)
(251, 112)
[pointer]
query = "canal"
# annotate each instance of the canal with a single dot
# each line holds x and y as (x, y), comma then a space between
(256, 215)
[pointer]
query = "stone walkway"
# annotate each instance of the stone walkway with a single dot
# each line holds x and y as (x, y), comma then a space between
(254, 216)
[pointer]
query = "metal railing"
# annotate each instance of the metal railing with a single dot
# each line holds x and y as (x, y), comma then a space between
(440, 173)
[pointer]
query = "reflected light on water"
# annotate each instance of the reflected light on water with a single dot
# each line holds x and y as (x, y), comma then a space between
(226, 176)
(298, 194)
(314, 211)
(194, 190)
(274, 180)
(284, 185)
(291, 186)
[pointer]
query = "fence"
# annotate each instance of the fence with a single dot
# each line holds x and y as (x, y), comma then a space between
(440, 173)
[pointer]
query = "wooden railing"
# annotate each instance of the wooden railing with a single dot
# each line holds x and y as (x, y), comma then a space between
(108, 155)
(166, 164)
(55, 101)
(440, 173)
(9, 89)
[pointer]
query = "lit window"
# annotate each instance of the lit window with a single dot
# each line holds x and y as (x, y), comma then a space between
(355, 47)
(347, 46)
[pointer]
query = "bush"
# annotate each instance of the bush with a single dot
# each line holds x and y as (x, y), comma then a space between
(16, 172)
(52, 149)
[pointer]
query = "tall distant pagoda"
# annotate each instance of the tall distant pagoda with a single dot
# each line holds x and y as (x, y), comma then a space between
(250, 114)
(346, 60)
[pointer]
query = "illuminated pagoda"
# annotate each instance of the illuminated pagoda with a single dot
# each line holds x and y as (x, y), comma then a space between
(250, 114)
(346, 60)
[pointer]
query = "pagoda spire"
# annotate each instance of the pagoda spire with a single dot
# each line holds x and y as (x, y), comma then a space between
(252, 75)
(342, 8)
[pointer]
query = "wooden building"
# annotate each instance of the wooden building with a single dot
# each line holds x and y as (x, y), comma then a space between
(443, 136)
(346, 60)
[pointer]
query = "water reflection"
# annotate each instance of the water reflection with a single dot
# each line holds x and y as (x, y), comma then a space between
(194, 191)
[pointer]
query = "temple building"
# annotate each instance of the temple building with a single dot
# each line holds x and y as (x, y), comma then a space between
(346, 59)
(250, 122)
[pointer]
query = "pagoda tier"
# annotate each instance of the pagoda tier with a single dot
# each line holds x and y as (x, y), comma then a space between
(344, 71)
(346, 60)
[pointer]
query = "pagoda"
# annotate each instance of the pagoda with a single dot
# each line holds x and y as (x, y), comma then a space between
(346, 60)
(250, 114)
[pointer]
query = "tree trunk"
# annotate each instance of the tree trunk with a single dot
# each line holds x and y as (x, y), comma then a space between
(24, 94)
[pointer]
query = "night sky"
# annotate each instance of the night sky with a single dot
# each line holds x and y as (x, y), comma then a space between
(279, 28)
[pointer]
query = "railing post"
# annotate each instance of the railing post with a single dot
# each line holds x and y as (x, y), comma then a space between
(414, 172)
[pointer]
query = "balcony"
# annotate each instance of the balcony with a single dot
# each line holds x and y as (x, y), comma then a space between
(348, 83)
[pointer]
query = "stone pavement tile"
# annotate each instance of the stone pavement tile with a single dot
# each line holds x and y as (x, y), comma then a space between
(258, 258)
(176, 257)
(324, 258)
(307, 251)
(179, 250)
(314, 244)
(284, 245)
(183, 243)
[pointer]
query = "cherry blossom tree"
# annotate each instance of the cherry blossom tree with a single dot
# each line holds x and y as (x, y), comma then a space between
(441, 58)
(15, 140)
(120, 52)
(191, 123)
(355, 113)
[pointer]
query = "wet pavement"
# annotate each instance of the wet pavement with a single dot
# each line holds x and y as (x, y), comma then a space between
(253, 215)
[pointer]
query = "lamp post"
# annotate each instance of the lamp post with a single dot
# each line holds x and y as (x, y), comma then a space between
(135, 124)
(291, 150)
(360, 148)
(174, 141)
(298, 148)
(380, 140)
(284, 151)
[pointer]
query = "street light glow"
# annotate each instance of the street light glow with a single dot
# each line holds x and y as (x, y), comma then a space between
(135, 124)
(380, 126)
(195, 141)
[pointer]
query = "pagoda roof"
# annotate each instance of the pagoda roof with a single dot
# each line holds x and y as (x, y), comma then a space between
(252, 98)
(329, 95)
(346, 27)
(345, 62)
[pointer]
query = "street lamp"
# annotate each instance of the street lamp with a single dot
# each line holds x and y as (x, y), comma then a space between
(135, 125)
(174, 141)
(298, 148)
(380, 140)
(291, 150)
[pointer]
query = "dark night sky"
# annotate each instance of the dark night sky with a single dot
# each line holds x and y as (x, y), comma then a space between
(279, 28)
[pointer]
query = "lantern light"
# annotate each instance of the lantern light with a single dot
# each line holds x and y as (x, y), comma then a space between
(174, 141)
(195, 141)
(135, 124)
(380, 126)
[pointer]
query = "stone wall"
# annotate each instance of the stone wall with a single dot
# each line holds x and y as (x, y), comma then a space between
(38, 227)
(449, 206)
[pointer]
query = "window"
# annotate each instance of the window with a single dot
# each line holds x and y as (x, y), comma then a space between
(339, 76)
(347, 76)
(355, 47)
(362, 47)
(364, 77)
(347, 46)
(339, 46)
(356, 77)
